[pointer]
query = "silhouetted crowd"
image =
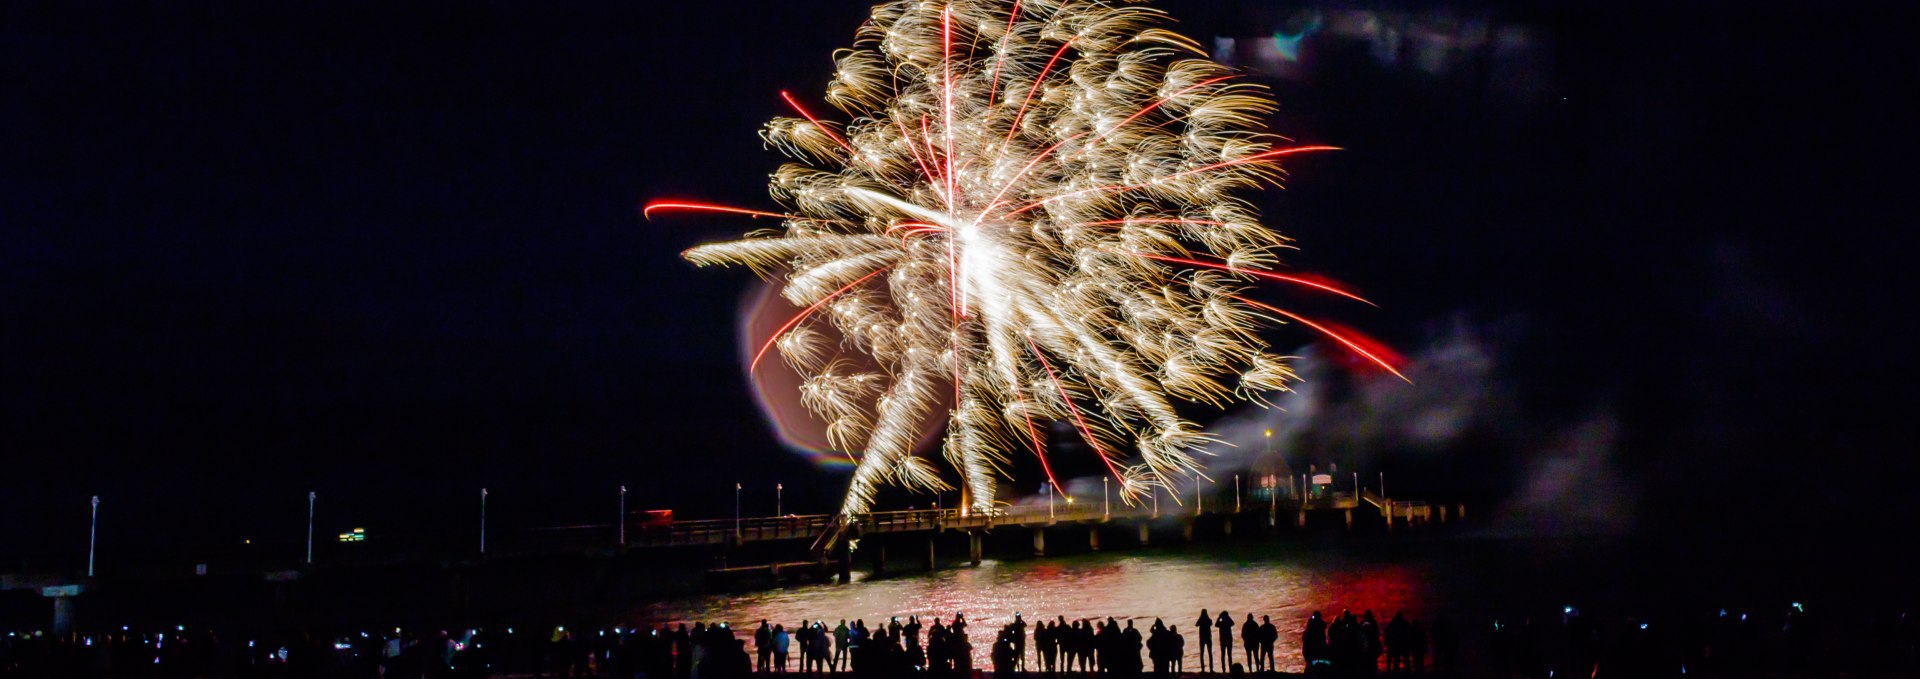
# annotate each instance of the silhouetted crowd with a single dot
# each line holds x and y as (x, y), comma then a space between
(1355, 646)
(1572, 643)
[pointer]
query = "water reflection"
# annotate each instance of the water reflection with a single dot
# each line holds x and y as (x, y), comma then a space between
(1285, 583)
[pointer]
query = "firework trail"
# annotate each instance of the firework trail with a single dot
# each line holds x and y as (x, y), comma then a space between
(1031, 212)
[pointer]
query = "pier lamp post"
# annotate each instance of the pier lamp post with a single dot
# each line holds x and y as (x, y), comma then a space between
(1383, 485)
(483, 522)
(310, 498)
(93, 535)
(1049, 490)
(1105, 506)
(1199, 500)
(1236, 493)
(623, 516)
(779, 490)
(736, 510)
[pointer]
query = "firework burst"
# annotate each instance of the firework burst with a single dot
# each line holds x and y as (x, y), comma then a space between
(1030, 212)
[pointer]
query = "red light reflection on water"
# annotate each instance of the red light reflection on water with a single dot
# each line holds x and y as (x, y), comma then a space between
(1134, 587)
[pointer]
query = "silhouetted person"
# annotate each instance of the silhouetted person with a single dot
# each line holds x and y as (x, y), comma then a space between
(1268, 636)
(1343, 638)
(1313, 642)
(781, 643)
(1179, 648)
(1394, 638)
(1002, 655)
(822, 645)
(1205, 623)
(1019, 633)
(1130, 644)
(683, 651)
(840, 645)
(1250, 642)
(1050, 646)
(763, 645)
(804, 636)
(1224, 627)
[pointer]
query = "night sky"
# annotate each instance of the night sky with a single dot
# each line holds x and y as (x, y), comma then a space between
(391, 253)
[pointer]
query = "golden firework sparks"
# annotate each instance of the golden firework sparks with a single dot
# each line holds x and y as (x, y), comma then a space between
(1032, 204)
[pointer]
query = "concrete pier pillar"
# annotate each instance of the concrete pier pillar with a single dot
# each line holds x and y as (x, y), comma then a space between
(62, 615)
(1443, 513)
(845, 566)
(1349, 514)
(1093, 538)
(932, 559)
(1300, 519)
(1143, 533)
(1461, 511)
(1039, 542)
(1186, 530)
(973, 547)
(1227, 525)
(879, 559)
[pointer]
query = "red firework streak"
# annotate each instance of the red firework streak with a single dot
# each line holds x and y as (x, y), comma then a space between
(1078, 421)
(803, 314)
(1360, 344)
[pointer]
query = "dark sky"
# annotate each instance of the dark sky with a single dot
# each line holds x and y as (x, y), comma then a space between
(389, 252)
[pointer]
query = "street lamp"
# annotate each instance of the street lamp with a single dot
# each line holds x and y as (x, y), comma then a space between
(310, 497)
(1049, 490)
(1275, 489)
(779, 489)
(623, 516)
(93, 535)
(736, 510)
(1236, 493)
(483, 522)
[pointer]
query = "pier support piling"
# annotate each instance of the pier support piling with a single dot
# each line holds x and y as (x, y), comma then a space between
(1039, 542)
(1143, 533)
(62, 615)
(973, 547)
(1093, 538)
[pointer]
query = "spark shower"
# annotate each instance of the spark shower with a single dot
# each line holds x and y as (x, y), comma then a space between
(1023, 211)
